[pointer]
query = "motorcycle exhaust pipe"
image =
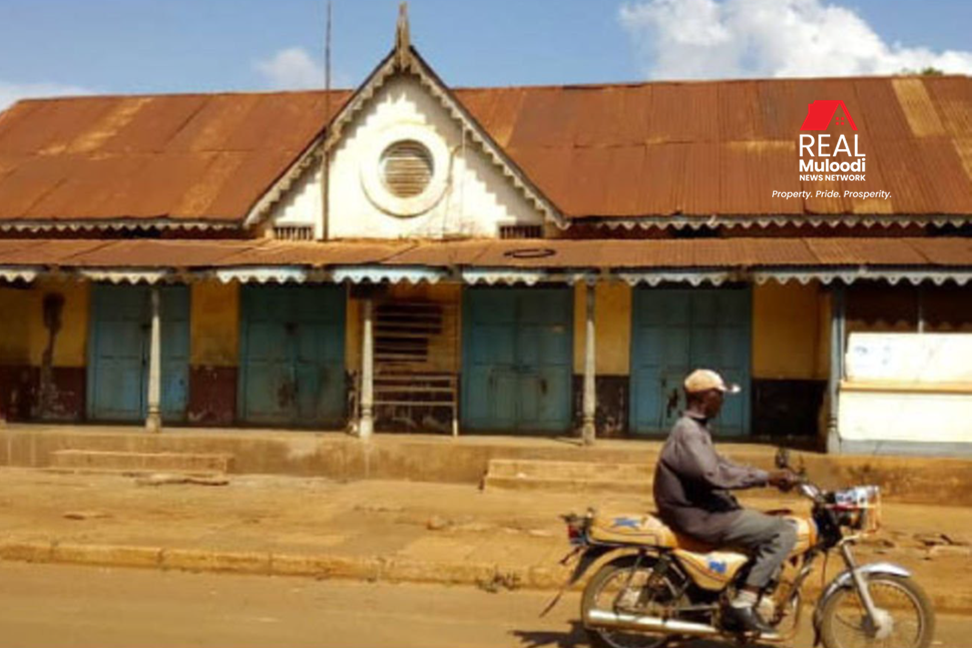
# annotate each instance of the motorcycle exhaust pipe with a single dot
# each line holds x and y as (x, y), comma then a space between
(614, 621)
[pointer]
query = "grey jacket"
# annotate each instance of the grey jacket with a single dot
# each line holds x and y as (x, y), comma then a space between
(692, 482)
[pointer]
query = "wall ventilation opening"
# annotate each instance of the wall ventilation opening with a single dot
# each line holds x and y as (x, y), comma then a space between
(521, 231)
(406, 168)
(293, 233)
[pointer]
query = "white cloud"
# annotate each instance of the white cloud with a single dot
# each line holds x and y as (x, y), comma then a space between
(290, 69)
(684, 39)
(12, 92)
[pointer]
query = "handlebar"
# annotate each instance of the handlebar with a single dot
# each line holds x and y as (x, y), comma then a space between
(802, 484)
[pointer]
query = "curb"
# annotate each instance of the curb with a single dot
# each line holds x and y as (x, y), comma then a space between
(370, 569)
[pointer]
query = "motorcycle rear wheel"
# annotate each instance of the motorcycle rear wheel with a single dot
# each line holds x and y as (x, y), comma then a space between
(611, 589)
(843, 620)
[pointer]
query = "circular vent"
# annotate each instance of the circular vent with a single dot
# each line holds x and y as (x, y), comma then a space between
(406, 168)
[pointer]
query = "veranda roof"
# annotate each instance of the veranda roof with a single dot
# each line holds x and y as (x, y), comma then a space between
(507, 261)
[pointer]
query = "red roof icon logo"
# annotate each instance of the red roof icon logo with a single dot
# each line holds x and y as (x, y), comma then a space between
(820, 114)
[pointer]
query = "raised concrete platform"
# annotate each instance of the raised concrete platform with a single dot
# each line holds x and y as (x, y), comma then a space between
(77, 460)
(466, 459)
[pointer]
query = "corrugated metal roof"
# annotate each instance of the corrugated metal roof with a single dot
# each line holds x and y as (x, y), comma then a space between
(722, 147)
(617, 151)
(557, 254)
(182, 157)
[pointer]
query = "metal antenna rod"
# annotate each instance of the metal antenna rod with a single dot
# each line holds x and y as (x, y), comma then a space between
(325, 158)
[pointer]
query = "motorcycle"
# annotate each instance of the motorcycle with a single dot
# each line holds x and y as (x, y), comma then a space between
(656, 586)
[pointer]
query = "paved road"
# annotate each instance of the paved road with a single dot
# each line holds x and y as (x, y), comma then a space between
(53, 606)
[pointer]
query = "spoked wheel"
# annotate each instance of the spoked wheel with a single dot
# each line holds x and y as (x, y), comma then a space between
(907, 617)
(619, 587)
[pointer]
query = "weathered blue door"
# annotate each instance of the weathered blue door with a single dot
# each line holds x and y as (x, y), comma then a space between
(118, 352)
(292, 355)
(675, 331)
(517, 359)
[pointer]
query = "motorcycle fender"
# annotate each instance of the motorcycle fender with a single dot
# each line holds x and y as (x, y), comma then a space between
(588, 558)
(845, 579)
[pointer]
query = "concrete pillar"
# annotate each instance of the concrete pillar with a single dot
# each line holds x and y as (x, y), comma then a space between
(837, 326)
(366, 425)
(589, 430)
(153, 422)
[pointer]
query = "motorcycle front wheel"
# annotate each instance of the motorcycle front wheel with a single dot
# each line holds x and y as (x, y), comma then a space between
(910, 620)
(620, 587)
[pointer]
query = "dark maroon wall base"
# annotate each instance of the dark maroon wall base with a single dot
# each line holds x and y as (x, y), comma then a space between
(212, 396)
(20, 393)
(611, 413)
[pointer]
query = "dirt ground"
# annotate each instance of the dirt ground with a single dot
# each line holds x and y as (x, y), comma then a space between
(58, 606)
(432, 523)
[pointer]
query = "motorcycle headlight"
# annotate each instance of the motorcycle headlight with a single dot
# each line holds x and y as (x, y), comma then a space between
(859, 508)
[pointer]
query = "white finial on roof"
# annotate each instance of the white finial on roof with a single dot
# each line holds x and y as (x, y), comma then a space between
(403, 44)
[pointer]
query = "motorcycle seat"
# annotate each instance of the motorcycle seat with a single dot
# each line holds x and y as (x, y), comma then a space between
(643, 529)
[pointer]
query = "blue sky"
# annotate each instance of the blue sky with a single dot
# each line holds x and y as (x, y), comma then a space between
(123, 46)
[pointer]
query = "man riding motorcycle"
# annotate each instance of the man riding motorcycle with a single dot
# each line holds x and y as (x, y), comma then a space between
(691, 489)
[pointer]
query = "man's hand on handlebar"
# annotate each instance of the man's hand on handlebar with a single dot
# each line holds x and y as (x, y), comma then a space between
(783, 479)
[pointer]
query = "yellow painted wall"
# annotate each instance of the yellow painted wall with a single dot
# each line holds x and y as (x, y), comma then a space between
(215, 324)
(786, 331)
(23, 337)
(612, 328)
(71, 347)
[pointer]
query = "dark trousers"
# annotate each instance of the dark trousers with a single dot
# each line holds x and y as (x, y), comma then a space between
(768, 538)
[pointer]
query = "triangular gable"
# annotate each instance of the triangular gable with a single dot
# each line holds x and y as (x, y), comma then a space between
(404, 59)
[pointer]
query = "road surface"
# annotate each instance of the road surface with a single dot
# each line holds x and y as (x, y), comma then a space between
(54, 606)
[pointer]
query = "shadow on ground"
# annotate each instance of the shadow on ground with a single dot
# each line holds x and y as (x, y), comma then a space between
(577, 638)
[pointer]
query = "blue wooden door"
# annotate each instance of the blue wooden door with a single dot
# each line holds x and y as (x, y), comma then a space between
(517, 359)
(118, 352)
(676, 331)
(292, 355)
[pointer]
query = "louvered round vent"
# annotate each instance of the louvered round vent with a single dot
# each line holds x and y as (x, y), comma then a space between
(406, 168)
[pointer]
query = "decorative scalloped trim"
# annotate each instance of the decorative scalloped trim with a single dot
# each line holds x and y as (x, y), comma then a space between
(23, 274)
(507, 276)
(803, 276)
(763, 222)
(116, 277)
(419, 69)
(113, 224)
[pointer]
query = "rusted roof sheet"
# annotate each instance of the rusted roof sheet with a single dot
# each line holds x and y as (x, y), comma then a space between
(616, 151)
(558, 254)
(178, 157)
(722, 147)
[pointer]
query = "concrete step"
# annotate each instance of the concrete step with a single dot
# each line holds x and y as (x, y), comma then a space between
(180, 462)
(575, 470)
(599, 486)
(569, 476)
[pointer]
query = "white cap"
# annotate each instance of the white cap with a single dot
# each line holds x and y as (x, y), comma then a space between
(702, 380)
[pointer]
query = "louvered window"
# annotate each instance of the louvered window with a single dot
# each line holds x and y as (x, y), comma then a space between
(406, 168)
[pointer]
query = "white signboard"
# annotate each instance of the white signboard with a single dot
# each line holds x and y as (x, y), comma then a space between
(910, 357)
